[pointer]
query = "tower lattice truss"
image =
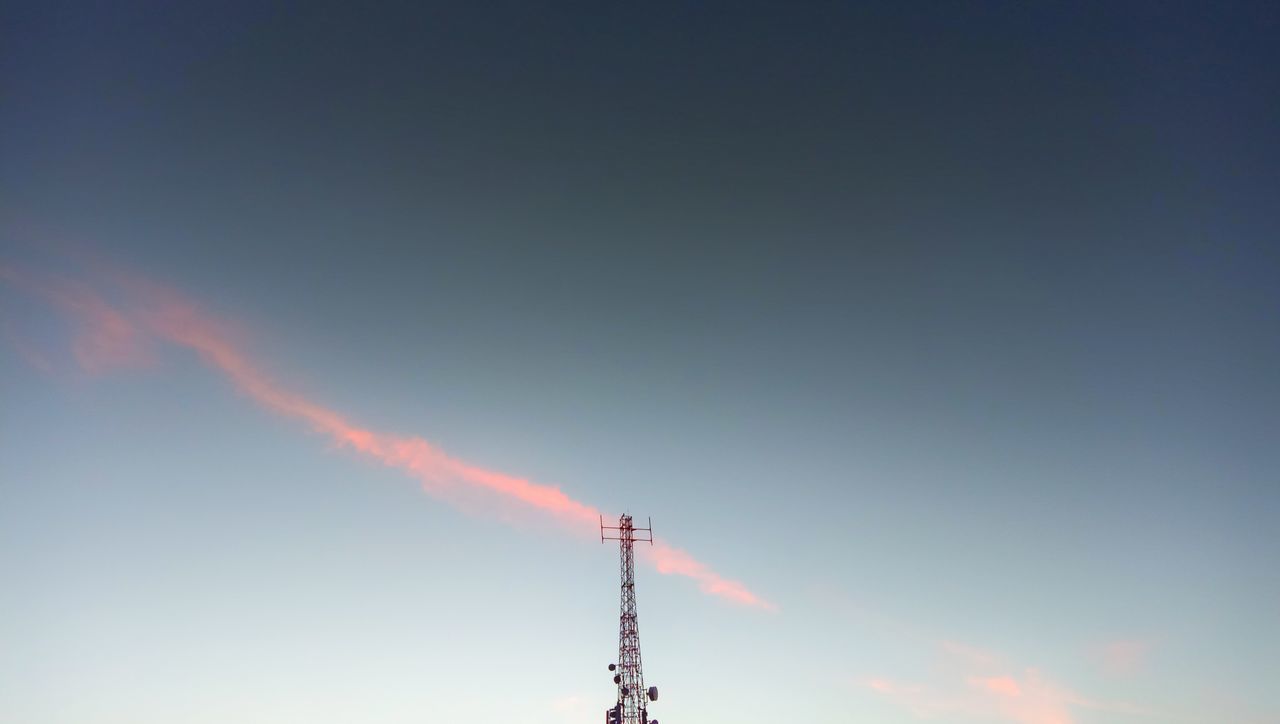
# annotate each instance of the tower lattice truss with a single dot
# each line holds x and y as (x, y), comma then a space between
(628, 674)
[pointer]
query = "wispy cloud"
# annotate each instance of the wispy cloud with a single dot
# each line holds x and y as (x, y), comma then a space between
(670, 560)
(1002, 685)
(115, 335)
(983, 685)
(105, 338)
(1124, 657)
(34, 358)
(965, 682)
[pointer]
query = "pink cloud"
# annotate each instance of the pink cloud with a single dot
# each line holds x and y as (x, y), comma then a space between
(1125, 657)
(1025, 699)
(105, 336)
(967, 682)
(980, 684)
(34, 358)
(883, 686)
(671, 560)
(971, 655)
(1003, 685)
(924, 702)
(112, 337)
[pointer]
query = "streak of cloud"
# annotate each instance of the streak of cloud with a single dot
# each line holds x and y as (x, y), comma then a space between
(1124, 657)
(966, 682)
(28, 352)
(1003, 685)
(983, 685)
(105, 337)
(673, 561)
(116, 336)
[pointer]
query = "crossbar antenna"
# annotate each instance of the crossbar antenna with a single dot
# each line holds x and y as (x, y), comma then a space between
(633, 697)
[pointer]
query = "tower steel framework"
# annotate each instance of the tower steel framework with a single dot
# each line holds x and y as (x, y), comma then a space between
(633, 697)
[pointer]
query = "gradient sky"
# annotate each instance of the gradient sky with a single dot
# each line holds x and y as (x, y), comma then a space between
(942, 339)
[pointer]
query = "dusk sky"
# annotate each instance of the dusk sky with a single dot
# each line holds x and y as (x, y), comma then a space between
(940, 341)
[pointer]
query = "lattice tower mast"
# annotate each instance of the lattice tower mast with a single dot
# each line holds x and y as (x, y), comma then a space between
(633, 698)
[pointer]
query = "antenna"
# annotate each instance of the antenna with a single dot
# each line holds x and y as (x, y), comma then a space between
(633, 698)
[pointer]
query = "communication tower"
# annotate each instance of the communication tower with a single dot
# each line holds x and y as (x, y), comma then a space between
(633, 697)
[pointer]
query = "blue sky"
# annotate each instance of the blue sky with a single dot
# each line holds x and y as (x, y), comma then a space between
(949, 335)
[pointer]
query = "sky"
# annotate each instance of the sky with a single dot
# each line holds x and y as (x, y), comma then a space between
(939, 341)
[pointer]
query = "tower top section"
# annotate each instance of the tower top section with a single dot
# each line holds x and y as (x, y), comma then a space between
(625, 531)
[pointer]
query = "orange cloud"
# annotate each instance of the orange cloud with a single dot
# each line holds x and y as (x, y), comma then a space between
(110, 337)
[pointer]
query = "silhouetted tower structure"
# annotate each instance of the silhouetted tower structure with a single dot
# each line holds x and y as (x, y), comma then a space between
(633, 697)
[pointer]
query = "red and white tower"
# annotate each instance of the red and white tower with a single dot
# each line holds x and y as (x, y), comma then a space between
(633, 697)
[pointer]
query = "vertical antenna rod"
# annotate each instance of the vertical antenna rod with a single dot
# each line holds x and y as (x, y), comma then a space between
(633, 698)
